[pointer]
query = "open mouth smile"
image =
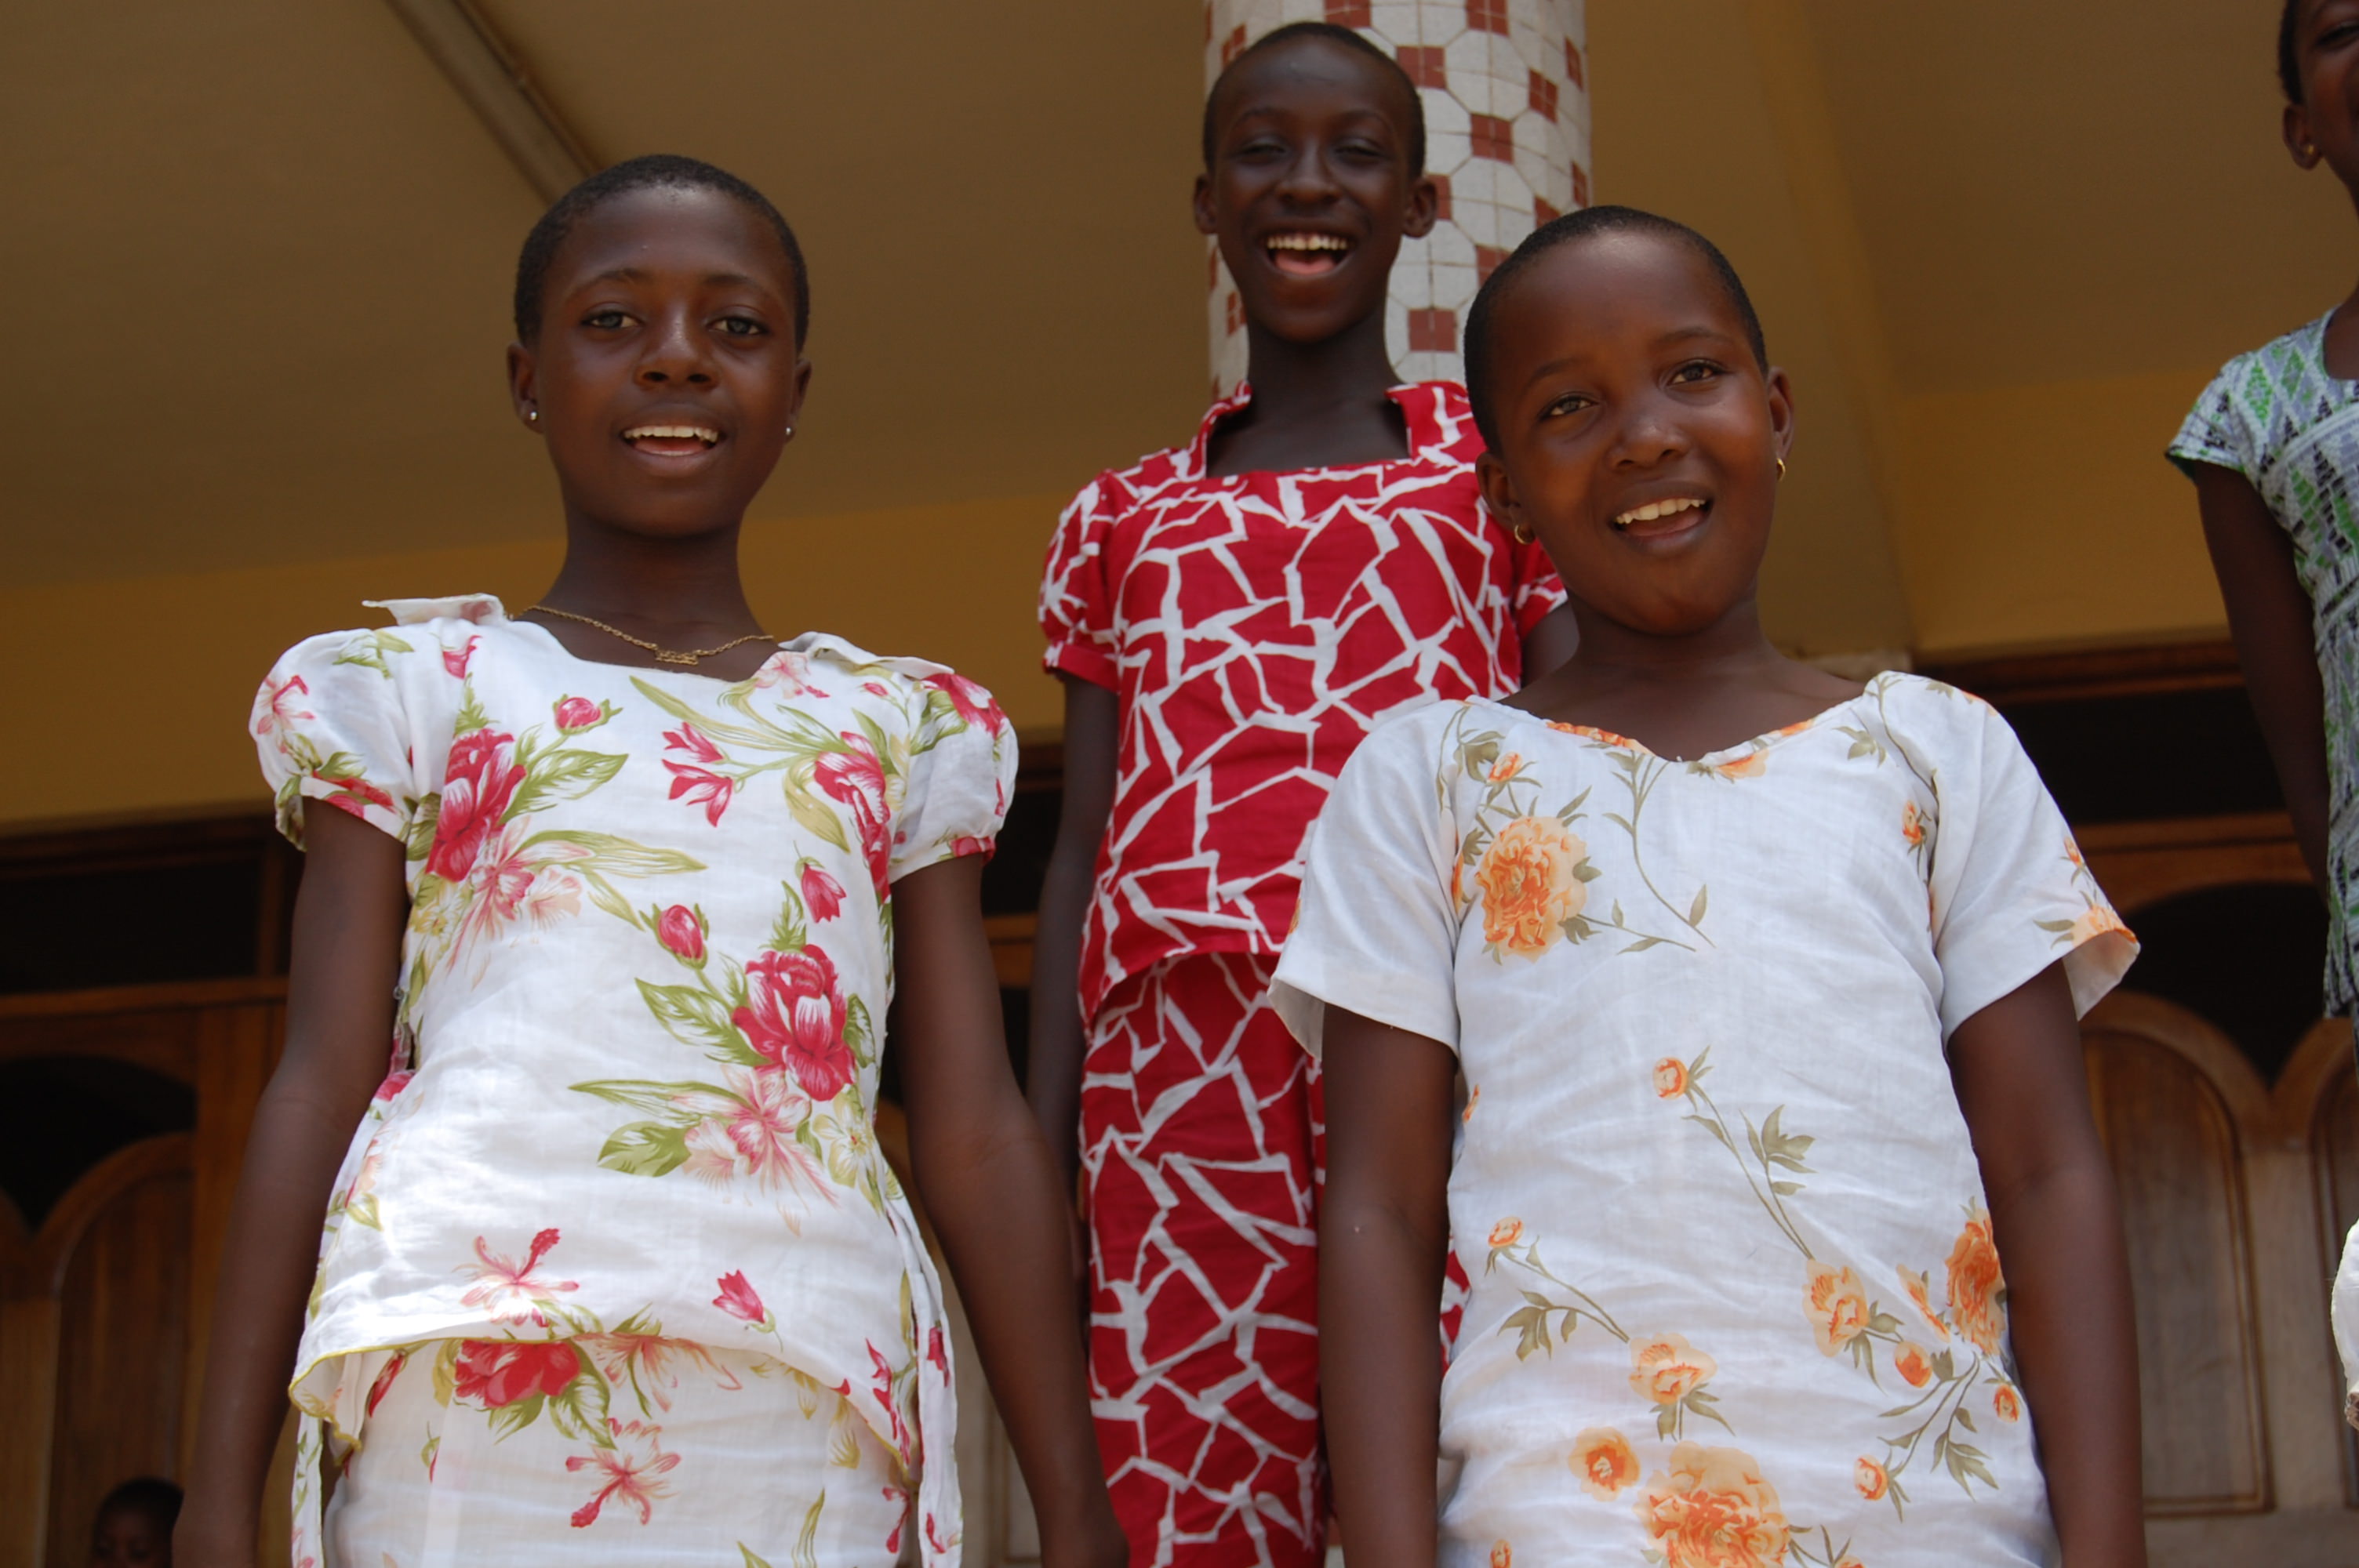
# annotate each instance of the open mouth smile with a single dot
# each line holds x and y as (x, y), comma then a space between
(1302, 254)
(672, 441)
(1659, 519)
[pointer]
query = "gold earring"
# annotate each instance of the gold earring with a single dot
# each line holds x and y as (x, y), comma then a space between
(1781, 468)
(1523, 533)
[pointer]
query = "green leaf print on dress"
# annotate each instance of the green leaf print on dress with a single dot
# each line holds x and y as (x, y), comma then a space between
(1944, 1378)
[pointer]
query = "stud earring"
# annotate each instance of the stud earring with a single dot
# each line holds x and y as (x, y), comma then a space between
(532, 416)
(790, 432)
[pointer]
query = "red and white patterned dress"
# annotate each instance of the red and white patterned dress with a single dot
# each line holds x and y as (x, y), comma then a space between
(1254, 627)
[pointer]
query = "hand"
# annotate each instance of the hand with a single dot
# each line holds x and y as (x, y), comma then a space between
(1096, 1540)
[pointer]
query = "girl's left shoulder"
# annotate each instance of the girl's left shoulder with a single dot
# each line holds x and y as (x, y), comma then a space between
(817, 661)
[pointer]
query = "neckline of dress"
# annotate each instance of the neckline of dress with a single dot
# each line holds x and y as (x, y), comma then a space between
(1754, 747)
(1200, 450)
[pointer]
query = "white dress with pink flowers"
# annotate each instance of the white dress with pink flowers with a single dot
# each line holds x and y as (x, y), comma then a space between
(1735, 1300)
(625, 1164)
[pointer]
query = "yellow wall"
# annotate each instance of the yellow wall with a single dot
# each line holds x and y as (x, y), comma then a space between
(142, 684)
(2046, 515)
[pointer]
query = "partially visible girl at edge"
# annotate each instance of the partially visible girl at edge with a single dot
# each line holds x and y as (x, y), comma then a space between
(1228, 618)
(2273, 448)
(614, 1269)
(1763, 986)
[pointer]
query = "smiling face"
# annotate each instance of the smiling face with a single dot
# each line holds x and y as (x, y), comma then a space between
(666, 371)
(1638, 436)
(2324, 126)
(1309, 191)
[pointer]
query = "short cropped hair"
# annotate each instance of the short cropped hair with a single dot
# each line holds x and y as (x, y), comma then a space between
(152, 1498)
(1590, 223)
(657, 171)
(1296, 31)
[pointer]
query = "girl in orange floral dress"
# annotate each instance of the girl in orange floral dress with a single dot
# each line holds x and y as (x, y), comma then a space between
(1763, 986)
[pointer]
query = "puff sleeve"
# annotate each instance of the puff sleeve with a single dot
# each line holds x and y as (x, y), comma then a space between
(962, 772)
(1077, 600)
(2010, 892)
(1377, 932)
(333, 722)
(2217, 431)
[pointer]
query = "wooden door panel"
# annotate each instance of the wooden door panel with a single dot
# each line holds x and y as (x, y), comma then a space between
(121, 1344)
(2174, 1151)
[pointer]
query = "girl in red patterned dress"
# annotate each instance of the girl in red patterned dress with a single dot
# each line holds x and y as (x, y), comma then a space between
(1229, 618)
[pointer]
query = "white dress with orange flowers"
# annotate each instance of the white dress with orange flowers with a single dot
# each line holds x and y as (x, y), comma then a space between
(624, 1170)
(1735, 1299)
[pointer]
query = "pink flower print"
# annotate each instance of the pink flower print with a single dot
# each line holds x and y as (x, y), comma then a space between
(740, 1300)
(681, 929)
(855, 777)
(384, 1384)
(275, 709)
(876, 689)
(968, 843)
(822, 894)
(689, 738)
(351, 793)
(937, 1352)
(748, 1133)
(496, 1373)
(479, 781)
(794, 1016)
(934, 1538)
(578, 713)
(457, 662)
(975, 704)
(788, 674)
(898, 1497)
(644, 1362)
(625, 1471)
(882, 1392)
(398, 1072)
(709, 790)
(510, 1292)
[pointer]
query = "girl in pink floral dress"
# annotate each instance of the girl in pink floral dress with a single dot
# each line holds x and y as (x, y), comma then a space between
(613, 1269)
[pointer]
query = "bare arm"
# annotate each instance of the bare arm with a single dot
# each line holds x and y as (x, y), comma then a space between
(347, 922)
(985, 1174)
(1383, 1235)
(2270, 616)
(2025, 1093)
(1053, 1064)
(1550, 643)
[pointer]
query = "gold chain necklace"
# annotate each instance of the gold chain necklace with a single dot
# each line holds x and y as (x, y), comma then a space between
(663, 656)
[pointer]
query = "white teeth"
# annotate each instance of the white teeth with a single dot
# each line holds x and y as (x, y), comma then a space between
(1308, 243)
(1655, 509)
(673, 433)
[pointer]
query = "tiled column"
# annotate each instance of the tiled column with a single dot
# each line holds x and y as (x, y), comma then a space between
(1507, 114)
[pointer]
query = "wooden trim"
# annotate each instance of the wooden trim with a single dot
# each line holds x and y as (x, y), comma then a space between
(2008, 680)
(66, 848)
(237, 990)
(41, 1270)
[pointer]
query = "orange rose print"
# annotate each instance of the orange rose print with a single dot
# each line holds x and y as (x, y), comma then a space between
(1751, 765)
(1529, 884)
(1666, 1369)
(1837, 1304)
(1507, 1232)
(1977, 1289)
(1473, 1098)
(1870, 1478)
(1670, 1078)
(2095, 922)
(1602, 1458)
(1505, 768)
(1912, 825)
(2005, 1404)
(1502, 1556)
(1713, 1510)
(1920, 1293)
(1913, 1365)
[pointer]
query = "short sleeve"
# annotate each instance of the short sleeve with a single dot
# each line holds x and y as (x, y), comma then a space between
(1076, 597)
(2010, 892)
(1376, 931)
(2216, 432)
(1537, 589)
(961, 774)
(331, 723)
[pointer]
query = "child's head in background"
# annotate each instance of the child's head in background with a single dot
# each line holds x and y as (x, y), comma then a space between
(660, 311)
(1620, 378)
(134, 1527)
(2318, 66)
(1314, 172)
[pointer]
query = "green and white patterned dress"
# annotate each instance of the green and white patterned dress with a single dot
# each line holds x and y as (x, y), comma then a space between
(2277, 417)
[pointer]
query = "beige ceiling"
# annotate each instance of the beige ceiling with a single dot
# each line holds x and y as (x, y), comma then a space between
(261, 247)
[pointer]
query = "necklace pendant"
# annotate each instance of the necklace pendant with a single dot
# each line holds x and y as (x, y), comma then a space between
(665, 657)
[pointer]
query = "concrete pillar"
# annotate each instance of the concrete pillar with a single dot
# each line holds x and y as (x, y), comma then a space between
(1506, 113)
